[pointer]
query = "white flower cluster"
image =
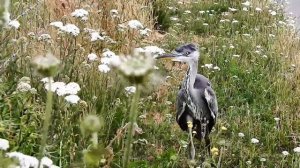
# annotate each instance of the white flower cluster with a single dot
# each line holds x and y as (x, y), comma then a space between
(145, 32)
(137, 65)
(135, 24)
(130, 90)
(108, 58)
(24, 85)
(211, 66)
(92, 57)
(4, 144)
(95, 35)
(153, 50)
(297, 150)
(26, 161)
(44, 37)
(254, 141)
(69, 90)
(80, 13)
(68, 28)
(114, 13)
(14, 24)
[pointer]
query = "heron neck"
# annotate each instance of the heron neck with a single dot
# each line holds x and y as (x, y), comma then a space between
(191, 75)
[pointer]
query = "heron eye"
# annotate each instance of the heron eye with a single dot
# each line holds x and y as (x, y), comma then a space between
(187, 53)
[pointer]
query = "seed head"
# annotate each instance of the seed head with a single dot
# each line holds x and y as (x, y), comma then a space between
(47, 65)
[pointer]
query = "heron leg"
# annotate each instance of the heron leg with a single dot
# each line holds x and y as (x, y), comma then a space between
(207, 144)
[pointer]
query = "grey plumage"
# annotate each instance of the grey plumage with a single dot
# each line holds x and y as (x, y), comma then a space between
(197, 107)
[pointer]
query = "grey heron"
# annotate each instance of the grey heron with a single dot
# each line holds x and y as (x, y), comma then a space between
(197, 107)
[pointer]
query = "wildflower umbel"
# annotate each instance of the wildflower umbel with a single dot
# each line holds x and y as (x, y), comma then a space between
(254, 141)
(135, 67)
(46, 65)
(4, 144)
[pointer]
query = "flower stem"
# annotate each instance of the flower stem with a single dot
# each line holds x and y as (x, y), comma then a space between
(46, 120)
(132, 119)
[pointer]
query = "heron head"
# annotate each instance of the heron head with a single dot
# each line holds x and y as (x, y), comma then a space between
(184, 53)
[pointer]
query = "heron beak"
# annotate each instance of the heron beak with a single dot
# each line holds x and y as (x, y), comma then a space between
(168, 55)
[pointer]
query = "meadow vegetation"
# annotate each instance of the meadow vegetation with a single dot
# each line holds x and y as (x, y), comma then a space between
(68, 92)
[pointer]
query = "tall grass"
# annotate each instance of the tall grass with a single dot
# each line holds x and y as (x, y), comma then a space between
(257, 81)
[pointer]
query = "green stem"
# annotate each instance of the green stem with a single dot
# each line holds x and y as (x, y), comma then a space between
(132, 120)
(46, 120)
(94, 139)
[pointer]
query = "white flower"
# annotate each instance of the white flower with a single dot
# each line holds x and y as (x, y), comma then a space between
(135, 24)
(105, 60)
(72, 88)
(45, 161)
(245, 9)
(4, 144)
(103, 68)
(92, 57)
(235, 55)
(46, 80)
(44, 37)
(31, 34)
(247, 35)
(209, 66)
(285, 153)
(258, 9)
(108, 53)
(247, 3)
(23, 87)
(57, 24)
(232, 9)
(114, 60)
(114, 13)
(130, 89)
(25, 161)
(73, 99)
(205, 24)
(14, 24)
(136, 65)
(297, 150)
(96, 36)
(174, 18)
(263, 159)
(271, 35)
(254, 141)
(79, 13)
(235, 21)
(54, 86)
(217, 68)
(145, 32)
(273, 13)
(276, 119)
(61, 91)
(85, 18)
(248, 162)
(187, 12)
(71, 29)
(154, 50)
(241, 134)
(47, 62)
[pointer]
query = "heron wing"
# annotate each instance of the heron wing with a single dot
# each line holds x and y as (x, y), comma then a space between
(211, 99)
(180, 104)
